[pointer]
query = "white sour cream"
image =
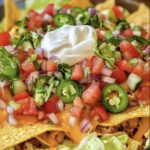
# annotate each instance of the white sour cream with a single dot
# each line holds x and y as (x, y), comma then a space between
(70, 44)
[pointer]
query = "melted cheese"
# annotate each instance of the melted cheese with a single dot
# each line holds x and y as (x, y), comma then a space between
(73, 132)
(70, 44)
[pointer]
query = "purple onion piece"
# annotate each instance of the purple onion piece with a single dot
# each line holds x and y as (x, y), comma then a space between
(147, 50)
(96, 77)
(53, 58)
(39, 51)
(91, 11)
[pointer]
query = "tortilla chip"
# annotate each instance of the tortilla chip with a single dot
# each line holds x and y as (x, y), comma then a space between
(141, 16)
(80, 3)
(130, 113)
(12, 14)
(10, 135)
(106, 5)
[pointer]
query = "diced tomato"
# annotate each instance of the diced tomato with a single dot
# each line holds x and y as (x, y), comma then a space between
(21, 55)
(0, 94)
(51, 105)
(128, 33)
(146, 75)
(143, 94)
(98, 65)
(20, 96)
(127, 47)
(78, 102)
(100, 112)
(138, 69)
(119, 75)
(51, 66)
(28, 67)
(92, 94)
(102, 84)
(117, 12)
(124, 65)
(77, 73)
(4, 39)
(67, 6)
(99, 34)
(32, 13)
(36, 21)
(50, 9)
(27, 107)
(76, 111)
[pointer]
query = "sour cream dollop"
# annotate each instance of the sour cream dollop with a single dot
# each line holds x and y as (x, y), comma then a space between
(70, 44)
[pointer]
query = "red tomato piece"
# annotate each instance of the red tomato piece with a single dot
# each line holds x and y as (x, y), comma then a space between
(51, 66)
(128, 33)
(77, 73)
(117, 12)
(138, 69)
(98, 65)
(28, 67)
(0, 94)
(99, 111)
(67, 6)
(20, 96)
(35, 22)
(99, 34)
(119, 75)
(127, 47)
(78, 102)
(146, 76)
(143, 94)
(4, 39)
(50, 9)
(124, 65)
(92, 94)
(28, 107)
(76, 111)
(21, 55)
(51, 105)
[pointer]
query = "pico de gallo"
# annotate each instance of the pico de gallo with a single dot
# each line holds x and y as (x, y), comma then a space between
(40, 88)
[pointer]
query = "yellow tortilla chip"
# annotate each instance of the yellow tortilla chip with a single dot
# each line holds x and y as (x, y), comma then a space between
(10, 135)
(141, 16)
(12, 13)
(106, 5)
(130, 113)
(81, 3)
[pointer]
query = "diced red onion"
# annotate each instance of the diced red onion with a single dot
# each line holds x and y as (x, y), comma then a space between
(85, 125)
(107, 71)
(72, 121)
(108, 79)
(11, 119)
(10, 49)
(39, 51)
(40, 31)
(60, 105)
(47, 18)
(49, 73)
(2, 104)
(53, 117)
(2, 84)
(53, 58)
(40, 115)
(91, 11)
(86, 80)
(10, 110)
(68, 11)
(147, 50)
(116, 32)
(96, 77)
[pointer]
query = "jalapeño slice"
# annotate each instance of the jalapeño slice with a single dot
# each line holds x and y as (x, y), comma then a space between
(68, 90)
(62, 19)
(114, 98)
